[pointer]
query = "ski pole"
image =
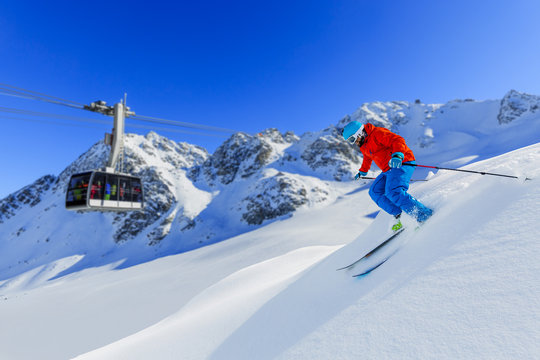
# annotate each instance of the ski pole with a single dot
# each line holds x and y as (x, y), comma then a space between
(372, 178)
(463, 170)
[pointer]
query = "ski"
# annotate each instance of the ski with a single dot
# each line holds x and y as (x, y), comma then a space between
(372, 268)
(383, 260)
(393, 236)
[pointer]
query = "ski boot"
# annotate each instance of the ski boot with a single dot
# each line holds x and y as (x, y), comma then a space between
(398, 225)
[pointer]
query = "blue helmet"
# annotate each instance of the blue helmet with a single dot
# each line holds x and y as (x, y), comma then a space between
(352, 131)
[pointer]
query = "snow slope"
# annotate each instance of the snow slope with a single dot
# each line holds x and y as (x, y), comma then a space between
(106, 305)
(464, 286)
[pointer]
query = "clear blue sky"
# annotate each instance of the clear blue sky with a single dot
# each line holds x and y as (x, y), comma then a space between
(248, 65)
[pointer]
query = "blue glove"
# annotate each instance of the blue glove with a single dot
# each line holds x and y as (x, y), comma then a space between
(360, 174)
(396, 160)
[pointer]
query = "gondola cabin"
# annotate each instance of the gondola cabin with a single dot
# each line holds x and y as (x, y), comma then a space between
(100, 190)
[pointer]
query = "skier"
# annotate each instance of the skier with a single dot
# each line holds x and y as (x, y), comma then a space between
(390, 152)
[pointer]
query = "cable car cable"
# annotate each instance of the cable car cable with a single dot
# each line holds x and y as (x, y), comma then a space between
(32, 97)
(102, 122)
(37, 113)
(173, 130)
(10, 90)
(39, 95)
(51, 122)
(88, 120)
(181, 123)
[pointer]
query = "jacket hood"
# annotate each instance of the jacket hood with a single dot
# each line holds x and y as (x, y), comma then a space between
(369, 128)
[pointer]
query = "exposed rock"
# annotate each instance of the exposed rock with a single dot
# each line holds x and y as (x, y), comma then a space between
(30, 195)
(516, 104)
(277, 196)
(329, 154)
(241, 156)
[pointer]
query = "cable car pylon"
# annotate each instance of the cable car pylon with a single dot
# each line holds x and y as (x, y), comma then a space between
(106, 189)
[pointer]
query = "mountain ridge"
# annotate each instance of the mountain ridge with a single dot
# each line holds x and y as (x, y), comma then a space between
(195, 198)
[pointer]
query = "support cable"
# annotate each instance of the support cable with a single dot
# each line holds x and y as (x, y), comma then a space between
(33, 95)
(181, 123)
(44, 114)
(10, 90)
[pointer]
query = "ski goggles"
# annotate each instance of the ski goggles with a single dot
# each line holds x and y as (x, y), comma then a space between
(359, 133)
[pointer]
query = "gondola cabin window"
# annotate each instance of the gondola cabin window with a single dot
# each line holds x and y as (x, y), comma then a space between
(100, 190)
(78, 189)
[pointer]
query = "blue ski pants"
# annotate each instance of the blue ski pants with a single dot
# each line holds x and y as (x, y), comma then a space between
(389, 191)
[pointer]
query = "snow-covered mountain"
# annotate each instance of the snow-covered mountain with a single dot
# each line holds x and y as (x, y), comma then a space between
(195, 198)
(192, 198)
(280, 200)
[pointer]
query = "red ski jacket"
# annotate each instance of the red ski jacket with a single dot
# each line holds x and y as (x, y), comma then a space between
(379, 145)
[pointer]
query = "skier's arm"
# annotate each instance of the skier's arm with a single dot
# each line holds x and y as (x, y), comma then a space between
(366, 164)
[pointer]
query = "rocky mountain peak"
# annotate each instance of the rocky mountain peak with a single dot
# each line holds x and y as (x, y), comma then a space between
(242, 155)
(384, 114)
(516, 104)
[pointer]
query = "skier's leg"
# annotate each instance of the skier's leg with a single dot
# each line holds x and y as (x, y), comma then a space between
(377, 193)
(397, 184)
